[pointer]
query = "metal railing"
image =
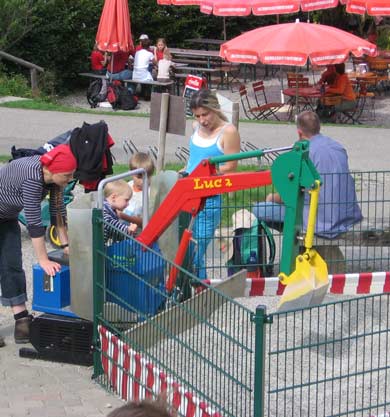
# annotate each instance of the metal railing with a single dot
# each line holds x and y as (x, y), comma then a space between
(213, 355)
(330, 360)
(148, 340)
(365, 247)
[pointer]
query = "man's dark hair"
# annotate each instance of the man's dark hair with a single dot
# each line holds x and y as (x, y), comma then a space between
(340, 68)
(145, 43)
(145, 408)
(309, 123)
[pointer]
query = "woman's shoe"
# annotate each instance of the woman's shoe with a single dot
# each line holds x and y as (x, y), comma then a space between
(22, 329)
(2, 342)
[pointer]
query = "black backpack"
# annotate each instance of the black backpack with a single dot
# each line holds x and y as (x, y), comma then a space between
(97, 92)
(256, 242)
(125, 99)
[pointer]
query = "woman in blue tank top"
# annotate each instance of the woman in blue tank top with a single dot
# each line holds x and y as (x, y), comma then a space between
(213, 136)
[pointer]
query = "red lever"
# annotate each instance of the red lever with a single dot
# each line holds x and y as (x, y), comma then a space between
(179, 258)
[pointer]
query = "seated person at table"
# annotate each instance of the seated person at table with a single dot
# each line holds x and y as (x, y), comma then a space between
(328, 76)
(142, 59)
(342, 87)
(161, 47)
(159, 50)
(98, 61)
(143, 37)
(117, 68)
(164, 66)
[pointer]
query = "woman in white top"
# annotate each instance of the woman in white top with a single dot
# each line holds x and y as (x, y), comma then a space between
(213, 136)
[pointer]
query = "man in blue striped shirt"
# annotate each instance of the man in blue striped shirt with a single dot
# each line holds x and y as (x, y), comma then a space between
(24, 183)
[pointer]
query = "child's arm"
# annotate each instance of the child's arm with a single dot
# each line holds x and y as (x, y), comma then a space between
(131, 219)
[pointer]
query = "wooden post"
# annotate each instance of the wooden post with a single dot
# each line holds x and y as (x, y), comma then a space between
(162, 137)
(34, 80)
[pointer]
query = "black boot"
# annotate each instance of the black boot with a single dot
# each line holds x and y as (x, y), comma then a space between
(22, 329)
(2, 342)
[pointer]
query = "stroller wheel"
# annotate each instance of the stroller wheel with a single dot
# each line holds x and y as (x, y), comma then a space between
(52, 237)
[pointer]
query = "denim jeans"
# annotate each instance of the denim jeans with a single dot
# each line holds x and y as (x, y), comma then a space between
(123, 75)
(272, 213)
(12, 277)
(205, 224)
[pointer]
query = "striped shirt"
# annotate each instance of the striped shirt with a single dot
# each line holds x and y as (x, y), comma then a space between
(111, 223)
(22, 186)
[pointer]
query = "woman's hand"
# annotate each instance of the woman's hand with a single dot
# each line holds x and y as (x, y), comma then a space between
(50, 267)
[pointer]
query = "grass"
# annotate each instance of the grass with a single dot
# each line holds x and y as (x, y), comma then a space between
(34, 104)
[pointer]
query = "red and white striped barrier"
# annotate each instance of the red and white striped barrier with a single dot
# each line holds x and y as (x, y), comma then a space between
(348, 284)
(133, 378)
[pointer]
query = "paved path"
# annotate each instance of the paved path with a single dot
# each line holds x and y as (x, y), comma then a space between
(39, 388)
(367, 147)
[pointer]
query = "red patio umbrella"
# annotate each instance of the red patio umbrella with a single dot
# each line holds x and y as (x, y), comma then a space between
(114, 31)
(262, 7)
(295, 43)
(371, 7)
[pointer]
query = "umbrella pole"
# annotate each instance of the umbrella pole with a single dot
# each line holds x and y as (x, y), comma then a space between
(296, 92)
(224, 28)
(112, 66)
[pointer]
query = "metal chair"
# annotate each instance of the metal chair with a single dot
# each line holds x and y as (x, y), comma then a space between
(302, 103)
(353, 116)
(260, 111)
(267, 109)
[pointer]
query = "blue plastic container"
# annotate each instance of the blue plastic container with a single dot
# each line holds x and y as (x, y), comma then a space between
(51, 294)
(135, 276)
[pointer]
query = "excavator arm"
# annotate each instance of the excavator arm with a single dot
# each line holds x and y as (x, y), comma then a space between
(292, 172)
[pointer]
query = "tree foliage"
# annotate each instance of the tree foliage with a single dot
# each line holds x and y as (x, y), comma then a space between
(16, 20)
(59, 34)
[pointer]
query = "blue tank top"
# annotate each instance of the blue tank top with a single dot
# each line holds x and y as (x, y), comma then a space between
(201, 148)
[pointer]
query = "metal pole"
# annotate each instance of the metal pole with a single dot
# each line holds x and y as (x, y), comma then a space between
(162, 138)
(260, 319)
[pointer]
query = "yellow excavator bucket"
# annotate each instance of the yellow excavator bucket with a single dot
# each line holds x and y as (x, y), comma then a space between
(308, 284)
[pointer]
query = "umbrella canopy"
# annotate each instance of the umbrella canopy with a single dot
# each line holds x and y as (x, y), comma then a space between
(295, 43)
(371, 7)
(179, 2)
(262, 7)
(114, 31)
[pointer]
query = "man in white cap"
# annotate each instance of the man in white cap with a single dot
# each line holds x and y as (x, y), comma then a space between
(141, 38)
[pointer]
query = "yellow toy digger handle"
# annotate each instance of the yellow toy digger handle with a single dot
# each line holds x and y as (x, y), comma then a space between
(308, 284)
(311, 221)
(309, 237)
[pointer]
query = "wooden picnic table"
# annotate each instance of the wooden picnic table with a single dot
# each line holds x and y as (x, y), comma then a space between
(205, 41)
(162, 85)
(209, 56)
(208, 72)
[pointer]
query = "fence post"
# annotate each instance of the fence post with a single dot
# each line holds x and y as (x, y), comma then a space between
(98, 282)
(260, 319)
(34, 80)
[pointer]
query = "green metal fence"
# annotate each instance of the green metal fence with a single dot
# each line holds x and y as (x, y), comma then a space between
(215, 356)
(364, 248)
(331, 360)
(200, 350)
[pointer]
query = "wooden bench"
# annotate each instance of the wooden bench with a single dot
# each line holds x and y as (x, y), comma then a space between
(155, 85)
